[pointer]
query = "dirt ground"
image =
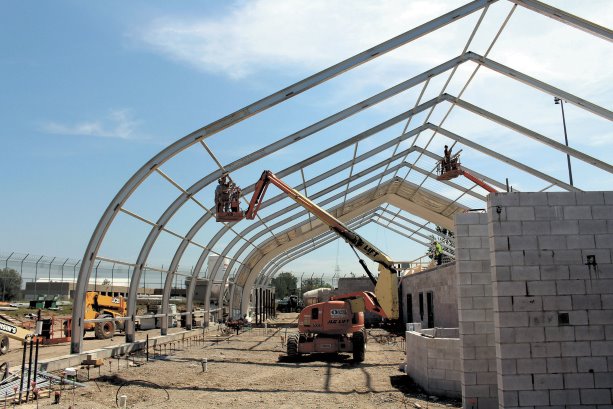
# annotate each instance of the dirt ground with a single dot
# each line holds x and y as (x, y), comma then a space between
(251, 370)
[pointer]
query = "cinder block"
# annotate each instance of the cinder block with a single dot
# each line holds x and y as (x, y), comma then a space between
(554, 272)
(534, 199)
(557, 303)
(603, 241)
(542, 288)
(603, 380)
(592, 227)
(512, 319)
(560, 333)
(538, 257)
(600, 317)
(533, 398)
(477, 230)
(548, 212)
(475, 365)
(580, 241)
(607, 302)
(595, 396)
(480, 254)
(502, 304)
(508, 288)
(578, 380)
(471, 291)
(548, 381)
(570, 287)
(513, 351)
(522, 303)
(498, 243)
(561, 198)
(581, 348)
(602, 348)
(516, 383)
(586, 302)
(467, 218)
(608, 197)
(589, 198)
(546, 350)
(537, 228)
(523, 242)
(567, 257)
(562, 365)
(525, 273)
(592, 364)
(469, 266)
(532, 366)
(543, 319)
(579, 272)
(590, 333)
(529, 334)
(519, 213)
(503, 199)
(483, 303)
(577, 318)
(508, 366)
(507, 398)
(602, 212)
(552, 242)
(577, 212)
(564, 227)
(477, 390)
(564, 397)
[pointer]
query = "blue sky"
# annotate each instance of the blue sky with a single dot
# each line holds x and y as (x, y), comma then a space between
(92, 90)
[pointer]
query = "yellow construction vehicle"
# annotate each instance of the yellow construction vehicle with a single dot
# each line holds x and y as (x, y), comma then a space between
(9, 330)
(99, 306)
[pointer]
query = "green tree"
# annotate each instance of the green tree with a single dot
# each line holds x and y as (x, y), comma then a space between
(285, 284)
(313, 283)
(10, 284)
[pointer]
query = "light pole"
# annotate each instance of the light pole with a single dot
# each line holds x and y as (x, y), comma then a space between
(560, 101)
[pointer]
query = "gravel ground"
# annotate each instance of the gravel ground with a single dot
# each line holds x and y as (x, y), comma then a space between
(251, 370)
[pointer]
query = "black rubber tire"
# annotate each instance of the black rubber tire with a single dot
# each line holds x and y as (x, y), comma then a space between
(292, 345)
(104, 330)
(359, 349)
(4, 345)
(365, 335)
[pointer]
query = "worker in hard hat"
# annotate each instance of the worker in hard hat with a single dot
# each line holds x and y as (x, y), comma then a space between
(438, 253)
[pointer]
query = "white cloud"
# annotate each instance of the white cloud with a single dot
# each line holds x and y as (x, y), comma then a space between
(117, 124)
(301, 34)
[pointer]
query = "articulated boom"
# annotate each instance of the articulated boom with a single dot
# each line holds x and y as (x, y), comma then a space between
(386, 287)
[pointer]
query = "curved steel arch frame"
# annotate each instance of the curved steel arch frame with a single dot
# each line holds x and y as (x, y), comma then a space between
(154, 164)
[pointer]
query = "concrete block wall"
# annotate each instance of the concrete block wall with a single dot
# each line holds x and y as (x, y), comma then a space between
(434, 363)
(442, 283)
(553, 314)
(476, 322)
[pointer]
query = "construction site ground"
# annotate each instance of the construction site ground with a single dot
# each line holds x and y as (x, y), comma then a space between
(248, 370)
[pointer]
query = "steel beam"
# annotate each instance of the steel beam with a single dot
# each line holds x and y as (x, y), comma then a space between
(566, 18)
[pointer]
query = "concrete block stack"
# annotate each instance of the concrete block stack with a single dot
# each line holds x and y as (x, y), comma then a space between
(552, 286)
(476, 323)
(434, 363)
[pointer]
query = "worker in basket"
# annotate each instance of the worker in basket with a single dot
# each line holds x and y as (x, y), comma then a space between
(447, 159)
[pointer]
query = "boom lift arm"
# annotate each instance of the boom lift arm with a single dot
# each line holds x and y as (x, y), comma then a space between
(386, 287)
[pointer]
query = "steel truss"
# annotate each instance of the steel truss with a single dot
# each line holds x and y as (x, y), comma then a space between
(358, 206)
